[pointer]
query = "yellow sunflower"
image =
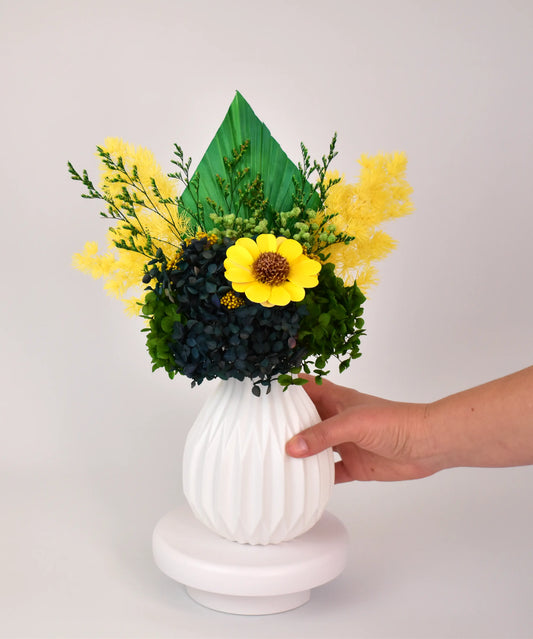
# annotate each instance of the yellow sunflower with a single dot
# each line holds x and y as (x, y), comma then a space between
(270, 270)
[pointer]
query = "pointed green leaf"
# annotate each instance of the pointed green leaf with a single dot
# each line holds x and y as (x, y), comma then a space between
(264, 157)
(284, 380)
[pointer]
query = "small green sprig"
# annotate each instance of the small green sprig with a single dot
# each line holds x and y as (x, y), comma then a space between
(192, 184)
(249, 209)
(306, 169)
(243, 198)
(234, 227)
(92, 191)
(322, 168)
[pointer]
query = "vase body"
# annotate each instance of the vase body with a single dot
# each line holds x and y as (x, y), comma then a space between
(237, 478)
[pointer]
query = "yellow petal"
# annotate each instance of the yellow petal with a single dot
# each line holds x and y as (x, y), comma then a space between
(266, 243)
(240, 287)
(297, 293)
(304, 266)
(307, 281)
(238, 274)
(258, 292)
(240, 254)
(300, 276)
(279, 296)
(248, 244)
(290, 249)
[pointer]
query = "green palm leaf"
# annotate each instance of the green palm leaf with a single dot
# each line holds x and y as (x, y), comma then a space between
(264, 157)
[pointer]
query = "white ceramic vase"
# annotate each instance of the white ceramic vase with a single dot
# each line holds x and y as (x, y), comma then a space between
(237, 478)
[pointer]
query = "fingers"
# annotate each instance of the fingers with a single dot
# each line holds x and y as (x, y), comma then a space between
(314, 390)
(298, 447)
(325, 396)
(331, 432)
(342, 474)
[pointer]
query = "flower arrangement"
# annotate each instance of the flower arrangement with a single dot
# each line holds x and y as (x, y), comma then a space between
(257, 267)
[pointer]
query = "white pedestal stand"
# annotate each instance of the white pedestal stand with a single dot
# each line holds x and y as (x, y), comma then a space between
(243, 579)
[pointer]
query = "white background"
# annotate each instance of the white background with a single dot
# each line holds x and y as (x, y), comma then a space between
(91, 440)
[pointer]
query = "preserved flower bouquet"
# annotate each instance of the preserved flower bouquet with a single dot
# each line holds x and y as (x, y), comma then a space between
(250, 266)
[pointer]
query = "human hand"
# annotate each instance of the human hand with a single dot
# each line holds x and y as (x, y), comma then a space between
(487, 426)
(375, 438)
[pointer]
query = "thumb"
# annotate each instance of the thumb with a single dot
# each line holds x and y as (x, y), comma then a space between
(331, 432)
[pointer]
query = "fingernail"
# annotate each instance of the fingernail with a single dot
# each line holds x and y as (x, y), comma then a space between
(298, 446)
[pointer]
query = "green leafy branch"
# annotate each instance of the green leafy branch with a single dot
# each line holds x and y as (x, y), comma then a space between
(191, 184)
(124, 213)
(145, 199)
(122, 207)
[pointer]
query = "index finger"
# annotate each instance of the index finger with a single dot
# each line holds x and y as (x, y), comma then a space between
(322, 395)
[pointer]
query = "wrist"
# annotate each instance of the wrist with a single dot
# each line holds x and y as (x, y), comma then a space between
(455, 435)
(436, 446)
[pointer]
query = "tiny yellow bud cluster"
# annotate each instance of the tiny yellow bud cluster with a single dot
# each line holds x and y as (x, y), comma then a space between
(311, 256)
(211, 238)
(231, 301)
(174, 261)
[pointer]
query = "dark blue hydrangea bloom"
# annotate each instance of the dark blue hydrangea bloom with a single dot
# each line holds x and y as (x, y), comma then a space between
(212, 340)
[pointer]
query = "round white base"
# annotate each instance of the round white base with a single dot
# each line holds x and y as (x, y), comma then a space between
(245, 605)
(243, 579)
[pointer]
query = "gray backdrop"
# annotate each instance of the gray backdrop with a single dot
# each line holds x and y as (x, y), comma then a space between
(91, 440)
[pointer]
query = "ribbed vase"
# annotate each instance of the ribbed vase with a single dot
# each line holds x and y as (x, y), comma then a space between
(237, 478)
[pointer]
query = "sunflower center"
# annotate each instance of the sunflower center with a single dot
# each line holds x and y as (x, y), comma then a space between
(271, 268)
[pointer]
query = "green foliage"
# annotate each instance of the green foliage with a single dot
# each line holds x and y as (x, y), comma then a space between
(249, 212)
(264, 158)
(306, 168)
(232, 226)
(163, 316)
(332, 325)
(245, 210)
